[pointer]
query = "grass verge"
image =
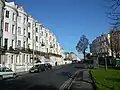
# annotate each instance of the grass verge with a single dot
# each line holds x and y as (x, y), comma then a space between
(106, 79)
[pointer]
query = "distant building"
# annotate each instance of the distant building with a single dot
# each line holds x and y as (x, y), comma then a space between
(101, 45)
(71, 56)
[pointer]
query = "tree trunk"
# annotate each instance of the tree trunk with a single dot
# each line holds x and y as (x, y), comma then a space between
(84, 54)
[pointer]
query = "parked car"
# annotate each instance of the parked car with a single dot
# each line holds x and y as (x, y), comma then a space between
(37, 68)
(74, 61)
(6, 73)
(48, 66)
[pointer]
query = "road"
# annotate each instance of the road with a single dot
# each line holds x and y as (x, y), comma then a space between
(48, 80)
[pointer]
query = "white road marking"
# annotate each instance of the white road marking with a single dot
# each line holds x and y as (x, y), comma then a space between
(68, 82)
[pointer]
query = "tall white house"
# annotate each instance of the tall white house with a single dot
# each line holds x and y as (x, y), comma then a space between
(25, 41)
(2, 4)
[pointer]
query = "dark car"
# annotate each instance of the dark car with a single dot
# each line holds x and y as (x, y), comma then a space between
(37, 68)
(74, 61)
(48, 66)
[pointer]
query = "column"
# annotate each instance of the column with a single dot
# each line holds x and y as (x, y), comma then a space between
(29, 58)
(14, 62)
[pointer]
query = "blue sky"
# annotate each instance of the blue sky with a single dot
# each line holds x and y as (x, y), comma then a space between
(69, 19)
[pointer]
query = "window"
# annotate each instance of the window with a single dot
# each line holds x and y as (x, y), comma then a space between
(36, 47)
(51, 43)
(47, 50)
(41, 27)
(23, 58)
(19, 43)
(27, 58)
(6, 43)
(24, 32)
(42, 33)
(19, 18)
(24, 20)
(24, 44)
(29, 24)
(50, 37)
(54, 45)
(13, 26)
(13, 17)
(46, 34)
(36, 38)
(36, 29)
(6, 27)
(28, 34)
(19, 30)
(7, 13)
(12, 42)
(47, 42)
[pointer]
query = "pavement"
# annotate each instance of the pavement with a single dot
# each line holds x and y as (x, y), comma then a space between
(48, 80)
(82, 81)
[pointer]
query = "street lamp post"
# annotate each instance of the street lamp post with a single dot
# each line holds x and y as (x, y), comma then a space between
(105, 63)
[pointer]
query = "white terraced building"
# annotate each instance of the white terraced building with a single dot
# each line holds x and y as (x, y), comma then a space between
(24, 41)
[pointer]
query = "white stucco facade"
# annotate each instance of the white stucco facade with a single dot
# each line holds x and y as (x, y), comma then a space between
(25, 40)
(1, 28)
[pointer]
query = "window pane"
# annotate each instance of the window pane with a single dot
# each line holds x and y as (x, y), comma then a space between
(29, 24)
(19, 43)
(6, 27)
(36, 29)
(19, 31)
(13, 17)
(12, 59)
(7, 13)
(36, 38)
(13, 29)
(28, 34)
(24, 32)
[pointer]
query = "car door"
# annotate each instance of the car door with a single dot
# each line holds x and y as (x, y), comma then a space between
(3, 72)
(9, 73)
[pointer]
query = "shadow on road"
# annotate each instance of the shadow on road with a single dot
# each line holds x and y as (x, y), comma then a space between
(68, 74)
(22, 85)
(43, 87)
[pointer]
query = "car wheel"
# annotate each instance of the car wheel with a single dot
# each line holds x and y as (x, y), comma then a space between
(40, 70)
(1, 78)
(14, 75)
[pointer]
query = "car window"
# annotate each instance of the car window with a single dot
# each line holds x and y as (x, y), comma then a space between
(2, 69)
(8, 70)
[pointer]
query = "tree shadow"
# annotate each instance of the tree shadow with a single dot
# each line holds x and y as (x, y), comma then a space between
(110, 88)
(117, 68)
(68, 74)
(114, 79)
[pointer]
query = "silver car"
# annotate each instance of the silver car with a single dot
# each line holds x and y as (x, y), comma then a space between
(6, 73)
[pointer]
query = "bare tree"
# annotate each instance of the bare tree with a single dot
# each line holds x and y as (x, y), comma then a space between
(113, 12)
(115, 42)
(82, 45)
